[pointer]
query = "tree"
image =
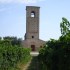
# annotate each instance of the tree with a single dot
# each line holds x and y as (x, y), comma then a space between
(13, 40)
(0, 38)
(55, 55)
(65, 26)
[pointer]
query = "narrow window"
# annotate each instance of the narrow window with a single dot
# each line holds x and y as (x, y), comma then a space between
(32, 36)
(32, 14)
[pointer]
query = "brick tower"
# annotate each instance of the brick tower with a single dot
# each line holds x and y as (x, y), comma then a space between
(32, 29)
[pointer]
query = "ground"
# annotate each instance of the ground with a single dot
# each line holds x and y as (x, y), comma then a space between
(33, 64)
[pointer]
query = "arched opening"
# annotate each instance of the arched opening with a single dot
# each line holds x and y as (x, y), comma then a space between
(33, 47)
(32, 14)
(40, 46)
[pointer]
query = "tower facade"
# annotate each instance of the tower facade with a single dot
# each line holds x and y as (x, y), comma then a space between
(32, 22)
(32, 29)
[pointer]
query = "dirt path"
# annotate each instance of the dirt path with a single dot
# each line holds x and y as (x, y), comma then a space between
(33, 64)
(26, 66)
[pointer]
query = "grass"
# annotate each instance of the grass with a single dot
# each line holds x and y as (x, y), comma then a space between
(34, 65)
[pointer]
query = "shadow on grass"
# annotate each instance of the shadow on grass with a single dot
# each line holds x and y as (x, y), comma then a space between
(34, 65)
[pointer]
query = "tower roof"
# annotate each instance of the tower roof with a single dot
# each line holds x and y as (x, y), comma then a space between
(32, 7)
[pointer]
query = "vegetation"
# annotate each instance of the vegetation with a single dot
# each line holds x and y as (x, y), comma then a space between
(55, 55)
(12, 53)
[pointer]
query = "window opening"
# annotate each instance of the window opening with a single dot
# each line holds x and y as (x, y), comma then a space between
(32, 36)
(32, 14)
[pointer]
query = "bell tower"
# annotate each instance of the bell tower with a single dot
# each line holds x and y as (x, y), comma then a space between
(32, 29)
(32, 22)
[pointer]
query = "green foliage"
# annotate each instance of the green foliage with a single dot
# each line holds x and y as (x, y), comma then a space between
(65, 26)
(55, 55)
(13, 40)
(12, 55)
(0, 38)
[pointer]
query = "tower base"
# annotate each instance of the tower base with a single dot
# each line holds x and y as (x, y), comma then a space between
(34, 44)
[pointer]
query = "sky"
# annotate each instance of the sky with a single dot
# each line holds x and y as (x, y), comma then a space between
(13, 17)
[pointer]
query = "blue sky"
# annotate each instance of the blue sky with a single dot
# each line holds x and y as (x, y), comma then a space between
(13, 17)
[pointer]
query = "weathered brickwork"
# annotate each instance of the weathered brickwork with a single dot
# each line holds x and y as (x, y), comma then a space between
(32, 29)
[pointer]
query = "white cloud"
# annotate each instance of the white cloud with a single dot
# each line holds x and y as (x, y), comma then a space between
(20, 1)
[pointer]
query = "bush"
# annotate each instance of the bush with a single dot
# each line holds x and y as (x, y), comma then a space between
(12, 55)
(55, 55)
